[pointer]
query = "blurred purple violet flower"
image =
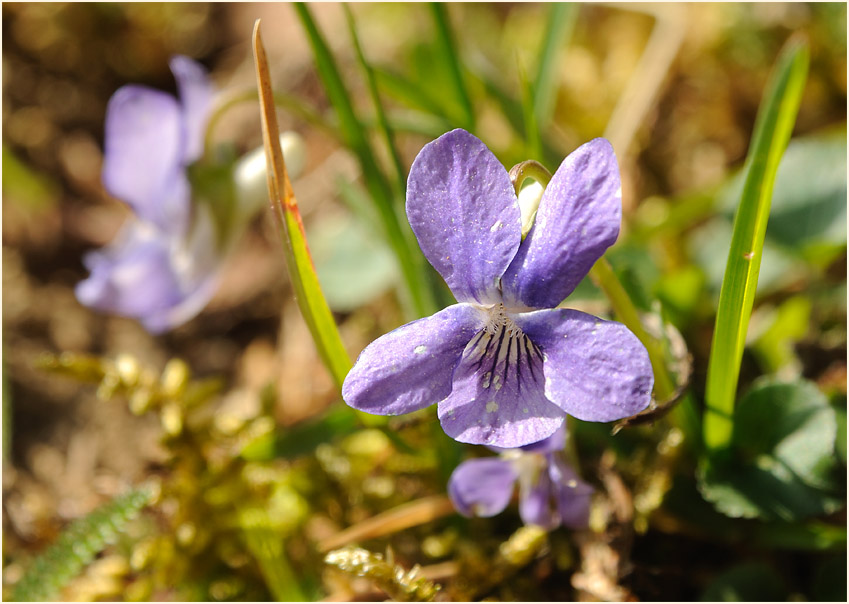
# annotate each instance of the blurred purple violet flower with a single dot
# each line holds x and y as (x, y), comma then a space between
(155, 270)
(164, 265)
(550, 493)
(504, 365)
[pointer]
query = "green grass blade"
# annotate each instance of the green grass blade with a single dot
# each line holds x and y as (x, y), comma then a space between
(561, 23)
(382, 122)
(411, 94)
(773, 128)
(533, 144)
(448, 50)
(302, 273)
(78, 545)
(400, 238)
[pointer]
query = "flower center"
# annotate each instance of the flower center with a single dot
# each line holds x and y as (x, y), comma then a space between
(502, 354)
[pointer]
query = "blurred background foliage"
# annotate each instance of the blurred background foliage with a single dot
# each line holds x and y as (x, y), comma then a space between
(254, 469)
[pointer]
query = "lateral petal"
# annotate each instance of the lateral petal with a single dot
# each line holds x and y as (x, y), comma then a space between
(411, 367)
(482, 487)
(595, 370)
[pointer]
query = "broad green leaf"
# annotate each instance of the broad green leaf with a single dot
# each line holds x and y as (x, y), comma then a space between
(305, 282)
(782, 463)
(353, 266)
(809, 202)
(773, 128)
(789, 323)
(792, 423)
(708, 244)
(747, 582)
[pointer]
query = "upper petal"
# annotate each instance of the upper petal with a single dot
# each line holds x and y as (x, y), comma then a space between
(142, 162)
(595, 370)
(411, 367)
(577, 220)
(196, 92)
(482, 487)
(497, 397)
(465, 214)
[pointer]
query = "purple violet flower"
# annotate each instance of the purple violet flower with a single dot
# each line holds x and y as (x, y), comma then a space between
(161, 268)
(504, 365)
(550, 493)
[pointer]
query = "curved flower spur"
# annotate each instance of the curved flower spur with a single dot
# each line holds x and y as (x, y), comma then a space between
(504, 365)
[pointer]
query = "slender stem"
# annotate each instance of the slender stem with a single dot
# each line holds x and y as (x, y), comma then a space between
(283, 101)
(571, 449)
(602, 274)
(447, 46)
(382, 122)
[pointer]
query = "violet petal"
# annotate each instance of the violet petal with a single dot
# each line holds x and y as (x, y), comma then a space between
(595, 370)
(196, 93)
(571, 494)
(482, 487)
(410, 367)
(555, 442)
(535, 504)
(143, 142)
(577, 220)
(497, 397)
(133, 275)
(465, 214)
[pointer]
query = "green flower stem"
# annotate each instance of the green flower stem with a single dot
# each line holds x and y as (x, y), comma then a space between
(602, 275)
(283, 101)
(570, 449)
